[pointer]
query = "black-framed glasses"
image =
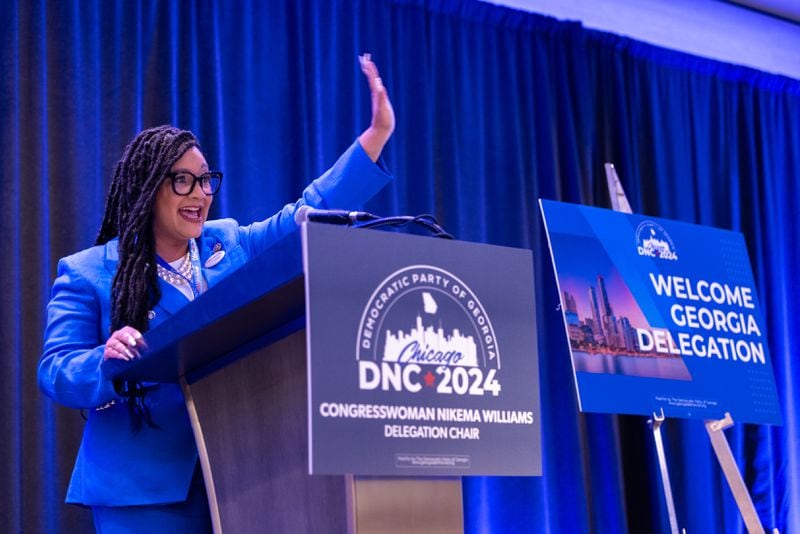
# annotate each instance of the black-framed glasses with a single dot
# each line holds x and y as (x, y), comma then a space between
(183, 182)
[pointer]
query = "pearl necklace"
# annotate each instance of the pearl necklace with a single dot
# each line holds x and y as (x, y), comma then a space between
(183, 275)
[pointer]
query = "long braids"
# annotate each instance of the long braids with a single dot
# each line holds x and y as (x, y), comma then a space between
(129, 216)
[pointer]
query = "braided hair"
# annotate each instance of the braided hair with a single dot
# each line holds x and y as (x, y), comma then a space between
(129, 215)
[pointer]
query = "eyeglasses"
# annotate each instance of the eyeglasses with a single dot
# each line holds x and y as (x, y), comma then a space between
(183, 182)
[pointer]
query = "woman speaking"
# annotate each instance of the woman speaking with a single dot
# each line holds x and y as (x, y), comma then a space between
(137, 467)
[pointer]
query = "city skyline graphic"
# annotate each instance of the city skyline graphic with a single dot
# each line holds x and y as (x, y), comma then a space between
(427, 338)
(602, 315)
(596, 325)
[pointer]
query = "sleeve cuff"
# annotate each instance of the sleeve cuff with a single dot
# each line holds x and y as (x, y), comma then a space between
(352, 181)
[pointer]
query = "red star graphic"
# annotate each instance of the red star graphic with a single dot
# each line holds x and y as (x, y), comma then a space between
(429, 379)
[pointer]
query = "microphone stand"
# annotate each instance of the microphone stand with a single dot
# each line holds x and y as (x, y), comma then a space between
(426, 221)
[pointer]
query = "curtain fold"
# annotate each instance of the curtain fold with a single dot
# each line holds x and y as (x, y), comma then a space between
(495, 108)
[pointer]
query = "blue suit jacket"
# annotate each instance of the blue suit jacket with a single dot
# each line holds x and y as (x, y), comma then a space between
(115, 466)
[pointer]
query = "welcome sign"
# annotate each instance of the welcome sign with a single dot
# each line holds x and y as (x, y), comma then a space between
(660, 315)
(422, 355)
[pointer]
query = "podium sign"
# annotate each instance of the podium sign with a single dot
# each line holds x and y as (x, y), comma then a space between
(660, 315)
(421, 356)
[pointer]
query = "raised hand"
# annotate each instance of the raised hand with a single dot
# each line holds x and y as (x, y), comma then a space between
(382, 124)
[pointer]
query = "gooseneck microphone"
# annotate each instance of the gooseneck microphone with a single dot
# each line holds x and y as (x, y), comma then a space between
(362, 219)
(342, 217)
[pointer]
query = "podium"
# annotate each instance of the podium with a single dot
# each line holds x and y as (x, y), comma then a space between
(241, 354)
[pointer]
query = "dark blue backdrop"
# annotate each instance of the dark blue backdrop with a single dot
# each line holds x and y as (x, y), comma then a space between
(495, 109)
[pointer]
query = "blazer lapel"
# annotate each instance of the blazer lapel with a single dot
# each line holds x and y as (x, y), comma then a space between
(214, 269)
(171, 298)
(112, 256)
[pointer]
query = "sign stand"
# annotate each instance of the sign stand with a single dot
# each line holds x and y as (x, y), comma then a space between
(725, 458)
(619, 202)
(715, 428)
(655, 425)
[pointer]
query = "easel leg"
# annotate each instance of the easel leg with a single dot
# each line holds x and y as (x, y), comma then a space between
(655, 425)
(723, 451)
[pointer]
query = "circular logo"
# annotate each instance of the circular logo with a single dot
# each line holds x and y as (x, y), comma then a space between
(424, 328)
(426, 315)
(654, 242)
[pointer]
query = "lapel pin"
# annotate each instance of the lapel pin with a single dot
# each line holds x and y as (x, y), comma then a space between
(215, 258)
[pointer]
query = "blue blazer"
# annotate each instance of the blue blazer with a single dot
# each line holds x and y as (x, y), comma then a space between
(115, 466)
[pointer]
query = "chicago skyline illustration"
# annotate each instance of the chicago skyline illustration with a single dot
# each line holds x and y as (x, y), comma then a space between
(602, 341)
(428, 338)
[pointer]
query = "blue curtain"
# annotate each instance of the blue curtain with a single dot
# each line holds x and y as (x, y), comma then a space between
(496, 108)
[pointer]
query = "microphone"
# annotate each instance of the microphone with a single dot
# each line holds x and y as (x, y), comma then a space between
(343, 217)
